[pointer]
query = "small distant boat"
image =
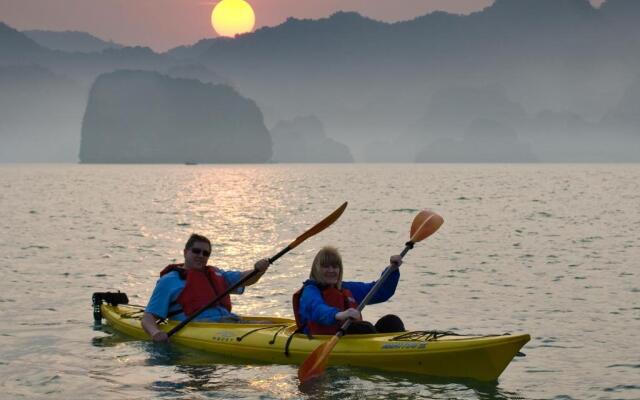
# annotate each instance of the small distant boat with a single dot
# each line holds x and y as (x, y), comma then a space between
(191, 163)
(432, 353)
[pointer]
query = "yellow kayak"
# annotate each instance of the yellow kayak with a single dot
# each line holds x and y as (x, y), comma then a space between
(433, 353)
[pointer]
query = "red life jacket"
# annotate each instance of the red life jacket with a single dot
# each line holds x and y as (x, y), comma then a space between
(199, 290)
(340, 299)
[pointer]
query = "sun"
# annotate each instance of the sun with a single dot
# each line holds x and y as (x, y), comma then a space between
(232, 17)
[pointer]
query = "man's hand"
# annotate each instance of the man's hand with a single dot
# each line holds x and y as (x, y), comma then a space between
(396, 260)
(262, 265)
(160, 337)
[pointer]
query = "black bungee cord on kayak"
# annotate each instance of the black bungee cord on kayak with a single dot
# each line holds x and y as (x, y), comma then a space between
(290, 338)
(272, 341)
(420, 336)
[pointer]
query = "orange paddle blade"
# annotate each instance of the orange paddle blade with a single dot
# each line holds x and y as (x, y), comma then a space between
(424, 225)
(316, 363)
(320, 226)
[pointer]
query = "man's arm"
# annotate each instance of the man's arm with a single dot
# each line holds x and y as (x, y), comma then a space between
(158, 307)
(149, 325)
(261, 266)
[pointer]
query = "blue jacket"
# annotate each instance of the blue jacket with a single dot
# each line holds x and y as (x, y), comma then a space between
(313, 308)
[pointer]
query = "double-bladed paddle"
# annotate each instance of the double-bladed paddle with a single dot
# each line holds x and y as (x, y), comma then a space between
(317, 228)
(424, 225)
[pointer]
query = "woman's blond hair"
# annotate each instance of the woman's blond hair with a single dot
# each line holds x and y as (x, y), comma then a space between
(328, 255)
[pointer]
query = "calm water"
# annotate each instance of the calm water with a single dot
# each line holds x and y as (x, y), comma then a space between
(552, 250)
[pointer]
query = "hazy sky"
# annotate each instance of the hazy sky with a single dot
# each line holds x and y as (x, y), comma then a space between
(163, 24)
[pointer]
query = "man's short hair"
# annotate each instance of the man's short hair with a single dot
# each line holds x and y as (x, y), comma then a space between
(196, 238)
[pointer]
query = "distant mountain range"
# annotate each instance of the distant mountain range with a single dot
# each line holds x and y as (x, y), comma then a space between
(17, 48)
(560, 75)
(370, 81)
(71, 41)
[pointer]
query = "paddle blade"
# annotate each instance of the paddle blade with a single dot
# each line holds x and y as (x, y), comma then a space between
(425, 224)
(316, 363)
(320, 226)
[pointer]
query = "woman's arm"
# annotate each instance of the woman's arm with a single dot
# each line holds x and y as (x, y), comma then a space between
(313, 308)
(386, 290)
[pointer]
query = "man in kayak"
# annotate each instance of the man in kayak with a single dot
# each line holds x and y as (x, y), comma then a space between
(183, 289)
(324, 302)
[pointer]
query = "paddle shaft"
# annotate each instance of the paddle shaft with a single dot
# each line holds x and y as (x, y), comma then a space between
(226, 292)
(388, 271)
(280, 254)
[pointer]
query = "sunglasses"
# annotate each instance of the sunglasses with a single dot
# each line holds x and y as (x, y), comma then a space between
(197, 252)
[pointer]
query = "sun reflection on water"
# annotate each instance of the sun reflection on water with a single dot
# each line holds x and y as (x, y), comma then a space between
(232, 206)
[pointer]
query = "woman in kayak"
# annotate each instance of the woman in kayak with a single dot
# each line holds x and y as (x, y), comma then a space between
(324, 302)
(183, 289)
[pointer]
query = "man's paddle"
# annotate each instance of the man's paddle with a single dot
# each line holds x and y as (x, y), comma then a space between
(317, 228)
(423, 226)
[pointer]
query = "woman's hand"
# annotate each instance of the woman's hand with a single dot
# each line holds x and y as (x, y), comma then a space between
(349, 313)
(396, 260)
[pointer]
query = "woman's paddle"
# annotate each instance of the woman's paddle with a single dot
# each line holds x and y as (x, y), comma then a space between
(423, 226)
(317, 228)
